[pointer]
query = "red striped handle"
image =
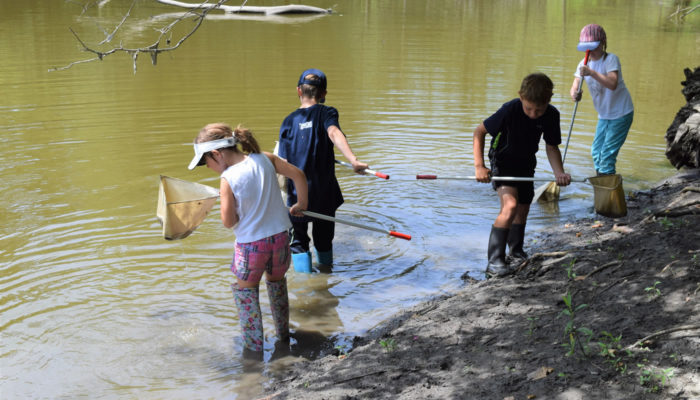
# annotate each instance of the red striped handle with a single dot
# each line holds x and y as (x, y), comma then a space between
(380, 175)
(426, 176)
(368, 171)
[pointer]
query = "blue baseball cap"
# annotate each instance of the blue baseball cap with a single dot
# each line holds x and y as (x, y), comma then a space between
(320, 82)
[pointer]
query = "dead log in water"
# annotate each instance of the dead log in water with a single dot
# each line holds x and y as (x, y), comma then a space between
(270, 10)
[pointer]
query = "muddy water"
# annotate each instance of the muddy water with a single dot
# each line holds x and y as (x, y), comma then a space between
(96, 304)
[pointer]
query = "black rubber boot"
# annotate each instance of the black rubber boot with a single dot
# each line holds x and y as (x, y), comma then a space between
(516, 238)
(497, 253)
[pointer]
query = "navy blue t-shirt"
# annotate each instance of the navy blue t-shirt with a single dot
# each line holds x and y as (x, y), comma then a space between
(304, 142)
(516, 137)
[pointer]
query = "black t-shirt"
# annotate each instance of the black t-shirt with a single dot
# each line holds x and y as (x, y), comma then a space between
(516, 137)
(304, 142)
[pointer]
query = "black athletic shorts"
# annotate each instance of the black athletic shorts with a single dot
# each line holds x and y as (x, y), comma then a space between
(526, 190)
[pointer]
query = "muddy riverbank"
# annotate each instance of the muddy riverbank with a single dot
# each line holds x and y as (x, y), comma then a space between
(605, 308)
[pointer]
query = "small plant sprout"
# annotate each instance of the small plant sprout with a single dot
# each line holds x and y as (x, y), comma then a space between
(388, 344)
(576, 335)
(342, 352)
(666, 223)
(610, 348)
(653, 291)
(570, 269)
(655, 379)
(531, 325)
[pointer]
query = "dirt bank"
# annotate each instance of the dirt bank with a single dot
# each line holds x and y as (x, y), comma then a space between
(565, 326)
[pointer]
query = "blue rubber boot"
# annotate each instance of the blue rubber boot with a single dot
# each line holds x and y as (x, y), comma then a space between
(302, 262)
(324, 257)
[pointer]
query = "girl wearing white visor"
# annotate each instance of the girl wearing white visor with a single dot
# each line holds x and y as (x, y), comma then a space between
(252, 205)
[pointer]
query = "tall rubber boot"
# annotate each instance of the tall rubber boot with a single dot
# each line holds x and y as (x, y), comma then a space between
(302, 262)
(497, 265)
(248, 304)
(279, 304)
(325, 257)
(516, 239)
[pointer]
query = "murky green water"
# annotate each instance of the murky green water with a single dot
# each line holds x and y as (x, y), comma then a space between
(95, 304)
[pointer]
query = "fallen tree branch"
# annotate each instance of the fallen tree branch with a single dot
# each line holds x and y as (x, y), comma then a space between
(536, 256)
(197, 10)
(381, 371)
(602, 267)
(114, 32)
(267, 10)
(153, 49)
(624, 278)
(549, 254)
(661, 333)
(689, 208)
(682, 12)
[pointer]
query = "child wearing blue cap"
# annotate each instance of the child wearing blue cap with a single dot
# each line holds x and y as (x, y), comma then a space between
(611, 99)
(307, 139)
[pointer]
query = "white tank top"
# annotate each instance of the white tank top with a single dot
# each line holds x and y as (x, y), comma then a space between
(260, 208)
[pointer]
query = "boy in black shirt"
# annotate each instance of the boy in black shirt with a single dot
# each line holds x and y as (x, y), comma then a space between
(516, 129)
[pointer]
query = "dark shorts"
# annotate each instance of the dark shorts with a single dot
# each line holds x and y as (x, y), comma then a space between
(526, 190)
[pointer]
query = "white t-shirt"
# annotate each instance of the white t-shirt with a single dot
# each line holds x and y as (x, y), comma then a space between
(260, 208)
(610, 104)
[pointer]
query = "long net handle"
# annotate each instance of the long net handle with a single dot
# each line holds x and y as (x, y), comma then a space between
(571, 126)
(369, 171)
(355, 224)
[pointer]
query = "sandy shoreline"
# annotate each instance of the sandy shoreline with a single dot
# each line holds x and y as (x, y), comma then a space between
(512, 338)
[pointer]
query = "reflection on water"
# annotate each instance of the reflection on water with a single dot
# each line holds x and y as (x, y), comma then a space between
(96, 304)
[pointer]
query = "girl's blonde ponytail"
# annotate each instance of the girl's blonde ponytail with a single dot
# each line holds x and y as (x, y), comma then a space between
(245, 137)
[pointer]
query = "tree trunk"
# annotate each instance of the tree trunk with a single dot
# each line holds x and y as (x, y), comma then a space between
(683, 136)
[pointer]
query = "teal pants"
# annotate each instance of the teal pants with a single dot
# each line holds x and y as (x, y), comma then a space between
(610, 134)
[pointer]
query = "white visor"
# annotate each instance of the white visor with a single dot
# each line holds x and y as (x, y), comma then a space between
(202, 148)
(583, 46)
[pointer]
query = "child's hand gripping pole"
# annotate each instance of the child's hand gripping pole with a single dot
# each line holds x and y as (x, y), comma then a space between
(355, 224)
(573, 115)
(369, 171)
